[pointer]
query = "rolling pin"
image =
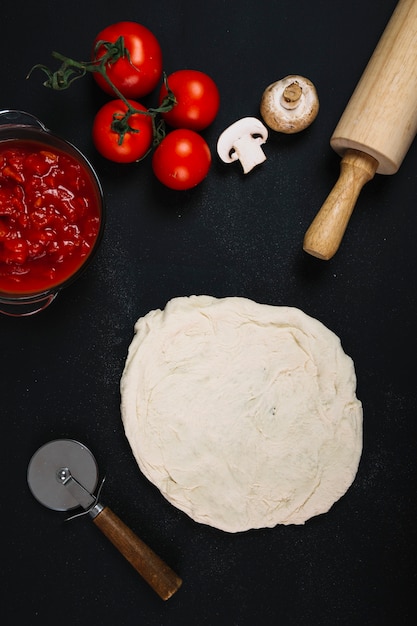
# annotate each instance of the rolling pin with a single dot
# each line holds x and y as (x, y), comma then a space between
(376, 129)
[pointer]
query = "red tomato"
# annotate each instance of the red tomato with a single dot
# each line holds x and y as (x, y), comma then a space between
(182, 159)
(138, 75)
(107, 141)
(197, 96)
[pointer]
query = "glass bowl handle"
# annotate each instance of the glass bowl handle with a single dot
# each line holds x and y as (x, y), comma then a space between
(14, 117)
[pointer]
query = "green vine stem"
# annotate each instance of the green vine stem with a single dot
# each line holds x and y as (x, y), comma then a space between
(71, 70)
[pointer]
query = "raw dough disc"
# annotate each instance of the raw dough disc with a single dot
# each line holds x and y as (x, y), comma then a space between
(244, 415)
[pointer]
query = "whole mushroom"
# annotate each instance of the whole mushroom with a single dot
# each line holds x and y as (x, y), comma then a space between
(289, 105)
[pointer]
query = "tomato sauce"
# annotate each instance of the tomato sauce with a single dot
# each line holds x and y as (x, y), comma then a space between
(50, 216)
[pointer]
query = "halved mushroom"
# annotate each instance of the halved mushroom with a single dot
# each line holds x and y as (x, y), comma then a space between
(242, 141)
(289, 105)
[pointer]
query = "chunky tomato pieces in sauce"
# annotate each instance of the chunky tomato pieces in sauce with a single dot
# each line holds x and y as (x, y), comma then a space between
(49, 216)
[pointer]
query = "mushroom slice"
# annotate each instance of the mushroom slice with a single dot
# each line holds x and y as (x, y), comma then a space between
(242, 142)
(289, 105)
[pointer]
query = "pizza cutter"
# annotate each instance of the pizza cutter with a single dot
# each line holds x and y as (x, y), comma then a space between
(63, 475)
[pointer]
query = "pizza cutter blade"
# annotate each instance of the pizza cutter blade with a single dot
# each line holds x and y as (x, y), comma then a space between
(63, 475)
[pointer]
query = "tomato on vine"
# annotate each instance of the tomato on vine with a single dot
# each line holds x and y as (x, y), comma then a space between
(197, 98)
(136, 73)
(121, 138)
(182, 159)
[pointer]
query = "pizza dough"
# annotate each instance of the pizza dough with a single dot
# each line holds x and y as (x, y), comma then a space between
(244, 415)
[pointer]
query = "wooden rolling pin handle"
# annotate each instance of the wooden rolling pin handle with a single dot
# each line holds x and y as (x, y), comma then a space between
(325, 233)
(156, 573)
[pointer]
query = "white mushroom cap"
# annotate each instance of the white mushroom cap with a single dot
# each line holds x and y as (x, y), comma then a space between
(242, 141)
(289, 105)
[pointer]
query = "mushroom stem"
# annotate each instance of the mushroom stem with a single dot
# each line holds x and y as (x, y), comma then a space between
(249, 153)
(291, 95)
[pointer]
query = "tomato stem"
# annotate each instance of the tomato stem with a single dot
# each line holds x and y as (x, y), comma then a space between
(71, 70)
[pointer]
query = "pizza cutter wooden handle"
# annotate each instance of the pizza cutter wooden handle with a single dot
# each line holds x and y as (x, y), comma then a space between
(375, 130)
(149, 565)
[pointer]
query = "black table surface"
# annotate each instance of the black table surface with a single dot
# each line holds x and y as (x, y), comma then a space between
(233, 235)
